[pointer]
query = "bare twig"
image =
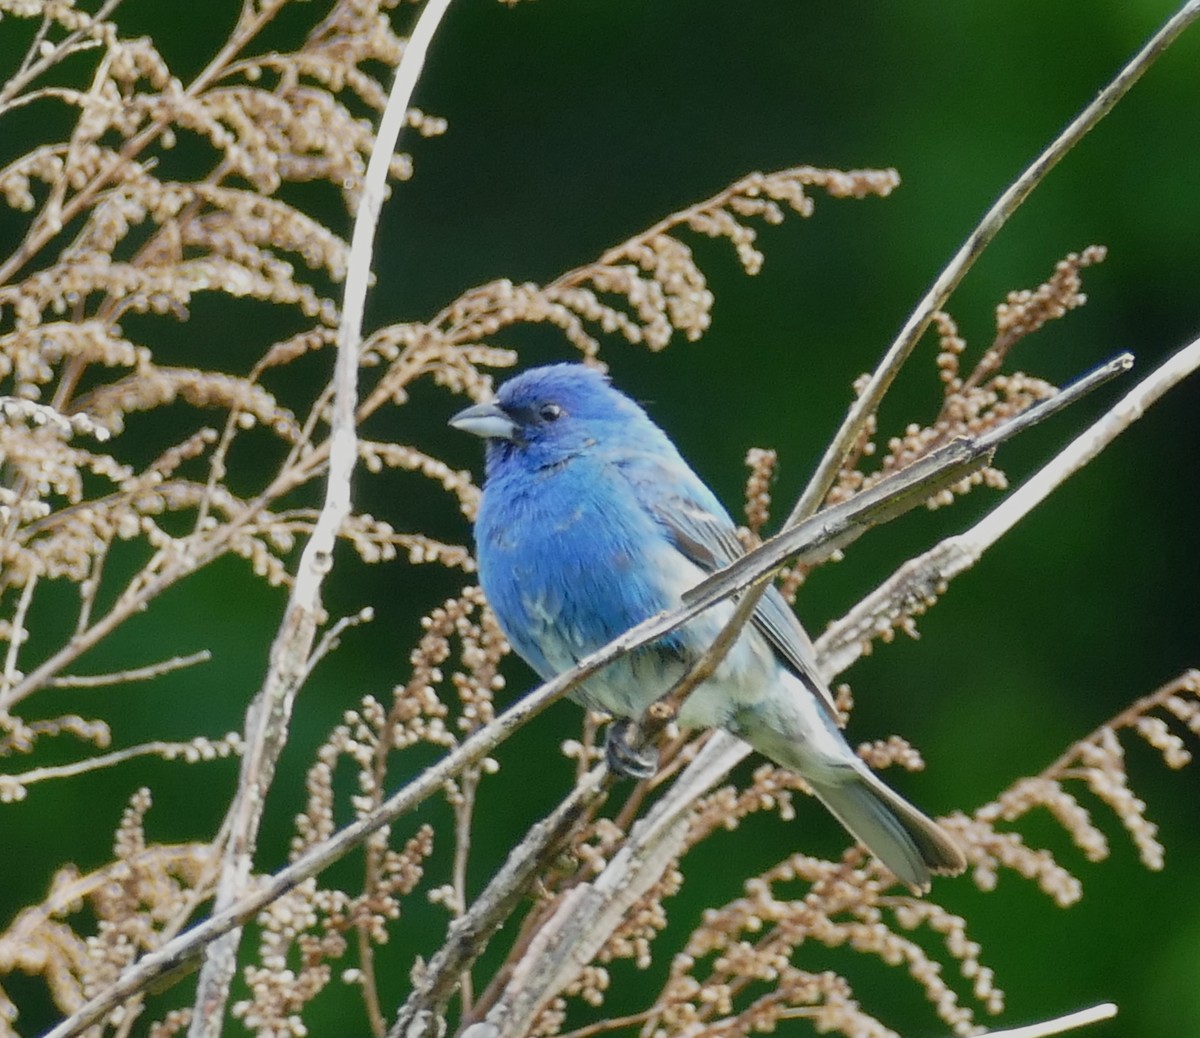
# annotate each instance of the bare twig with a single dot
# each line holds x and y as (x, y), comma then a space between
(836, 523)
(268, 716)
(332, 637)
(868, 401)
(464, 814)
(16, 636)
(120, 677)
(1059, 1025)
(568, 941)
(920, 580)
(199, 748)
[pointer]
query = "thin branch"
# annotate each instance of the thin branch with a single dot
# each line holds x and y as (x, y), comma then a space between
(89, 588)
(16, 635)
(1125, 720)
(920, 580)
(935, 299)
(158, 748)
(835, 523)
(1059, 1025)
(464, 814)
(774, 552)
(611, 1024)
(269, 714)
(332, 637)
(120, 677)
(579, 928)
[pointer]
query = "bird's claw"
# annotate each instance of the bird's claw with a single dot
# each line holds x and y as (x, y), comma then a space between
(624, 757)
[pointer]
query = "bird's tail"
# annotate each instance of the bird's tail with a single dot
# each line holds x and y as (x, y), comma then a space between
(910, 844)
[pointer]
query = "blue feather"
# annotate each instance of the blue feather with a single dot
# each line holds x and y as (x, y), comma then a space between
(591, 522)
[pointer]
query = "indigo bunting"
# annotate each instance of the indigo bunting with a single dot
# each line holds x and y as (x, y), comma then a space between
(590, 522)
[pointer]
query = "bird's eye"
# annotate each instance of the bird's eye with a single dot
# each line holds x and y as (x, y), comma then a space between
(550, 412)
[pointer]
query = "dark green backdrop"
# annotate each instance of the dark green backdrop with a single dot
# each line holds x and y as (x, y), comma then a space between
(574, 125)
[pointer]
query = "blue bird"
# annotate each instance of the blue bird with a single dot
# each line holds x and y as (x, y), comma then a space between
(590, 522)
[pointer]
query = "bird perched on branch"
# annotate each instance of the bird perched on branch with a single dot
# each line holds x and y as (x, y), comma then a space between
(590, 522)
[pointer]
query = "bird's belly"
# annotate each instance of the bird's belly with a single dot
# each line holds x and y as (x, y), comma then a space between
(629, 685)
(577, 579)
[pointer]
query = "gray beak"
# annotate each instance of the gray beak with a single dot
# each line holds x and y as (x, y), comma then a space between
(487, 421)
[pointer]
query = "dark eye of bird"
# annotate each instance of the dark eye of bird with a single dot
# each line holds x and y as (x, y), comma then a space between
(550, 412)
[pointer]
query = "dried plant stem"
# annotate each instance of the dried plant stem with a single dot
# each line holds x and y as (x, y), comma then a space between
(469, 934)
(55, 215)
(268, 717)
(920, 579)
(14, 645)
(610, 1024)
(914, 328)
(578, 929)
(464, 812)
(120, 677)
(1126, 719)
(1059, 1025)
(834, 524)
(586, 917)
(157, 748)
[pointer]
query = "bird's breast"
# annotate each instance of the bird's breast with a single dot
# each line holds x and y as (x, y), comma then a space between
(569, 557)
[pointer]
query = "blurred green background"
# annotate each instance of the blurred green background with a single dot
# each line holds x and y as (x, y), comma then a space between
(574, 125)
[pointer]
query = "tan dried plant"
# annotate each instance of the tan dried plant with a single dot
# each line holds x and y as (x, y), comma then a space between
(106, 235)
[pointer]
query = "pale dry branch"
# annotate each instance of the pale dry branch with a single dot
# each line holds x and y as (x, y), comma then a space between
(121, 677)
(867, 402)
(1059, 1025)
(840, 522)
(268, 716)
(920, 581)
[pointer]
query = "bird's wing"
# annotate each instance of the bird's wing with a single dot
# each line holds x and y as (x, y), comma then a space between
(702, 530)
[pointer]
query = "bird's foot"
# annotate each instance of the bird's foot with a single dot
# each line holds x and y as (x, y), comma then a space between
(624, 757)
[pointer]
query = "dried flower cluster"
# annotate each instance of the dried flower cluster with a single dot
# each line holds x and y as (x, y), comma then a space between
(983, 399)
(145, 896)
(716, 982)
(649, 287)
(95, 464)
(105, 236)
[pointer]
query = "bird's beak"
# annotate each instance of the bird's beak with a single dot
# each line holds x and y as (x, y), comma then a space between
(488, 421)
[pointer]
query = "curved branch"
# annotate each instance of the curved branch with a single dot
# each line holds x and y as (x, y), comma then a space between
(868, 401)
(290, 657)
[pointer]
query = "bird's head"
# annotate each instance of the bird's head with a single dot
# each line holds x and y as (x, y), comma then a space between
(546, 415)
